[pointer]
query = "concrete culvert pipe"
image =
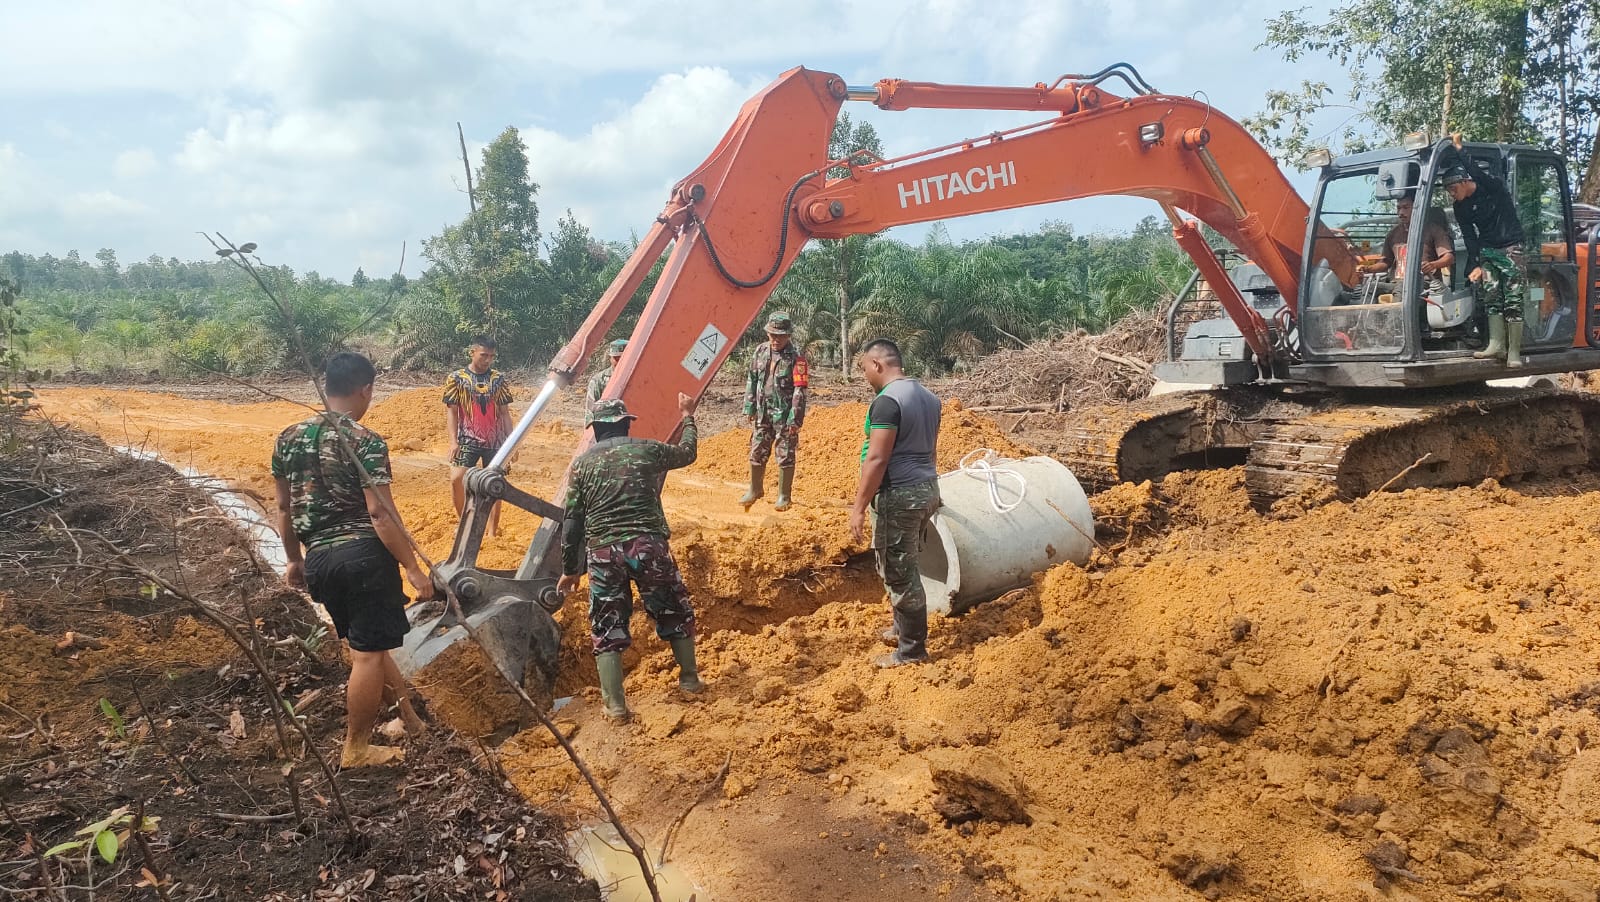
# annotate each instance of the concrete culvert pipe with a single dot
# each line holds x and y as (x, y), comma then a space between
(1001, 522)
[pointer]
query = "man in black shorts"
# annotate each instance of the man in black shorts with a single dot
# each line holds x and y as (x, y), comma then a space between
(354, 547)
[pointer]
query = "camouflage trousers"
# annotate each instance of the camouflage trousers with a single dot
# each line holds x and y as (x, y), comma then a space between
(1504, 283)
(899, 524)
(767, 437)
(645, 561)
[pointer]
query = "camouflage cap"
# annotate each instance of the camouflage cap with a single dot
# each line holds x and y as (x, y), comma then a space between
(608, 411)
(618, 346)
(779, 324)
(1455, 175)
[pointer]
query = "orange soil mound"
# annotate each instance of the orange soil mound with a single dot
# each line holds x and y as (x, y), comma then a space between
(830, 450)
(33, 673)
(411, 420)
(415, 420)
(1303, 709)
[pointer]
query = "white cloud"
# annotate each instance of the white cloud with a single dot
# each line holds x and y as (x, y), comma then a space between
(616, 175)
(24, 187)
(96, 206)
(133, 164)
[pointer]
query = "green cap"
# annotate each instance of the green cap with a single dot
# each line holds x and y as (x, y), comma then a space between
(779, 324)
(608, 411)
(618, 346)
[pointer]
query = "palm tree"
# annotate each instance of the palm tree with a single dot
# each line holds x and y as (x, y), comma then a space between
(823, 289)
(946, 306)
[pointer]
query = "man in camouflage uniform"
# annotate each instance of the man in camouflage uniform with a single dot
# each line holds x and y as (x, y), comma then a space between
(597, 382)
(1487, 216)
(775, 406)
(900, 483)
(616, 531)
(355, 547)
(477, 404)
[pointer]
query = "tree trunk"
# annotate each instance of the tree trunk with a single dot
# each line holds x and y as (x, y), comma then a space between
(1514, 56)
(843, 288)
(1561, 136)
(1589, 191)
(1449, 96)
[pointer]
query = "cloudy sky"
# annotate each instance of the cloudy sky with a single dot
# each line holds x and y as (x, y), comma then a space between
(325, 131)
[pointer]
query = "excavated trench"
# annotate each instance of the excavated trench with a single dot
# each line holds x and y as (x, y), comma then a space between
(1389, 696)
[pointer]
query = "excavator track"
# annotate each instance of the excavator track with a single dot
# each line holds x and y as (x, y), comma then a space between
(1322, 447)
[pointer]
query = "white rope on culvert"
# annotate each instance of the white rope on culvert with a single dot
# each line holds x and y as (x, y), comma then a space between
(983, 468)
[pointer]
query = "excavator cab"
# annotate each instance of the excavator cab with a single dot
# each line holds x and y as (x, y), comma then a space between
(1403, 327)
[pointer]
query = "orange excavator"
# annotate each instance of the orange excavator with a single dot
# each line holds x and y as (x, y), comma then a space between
(1321, 378)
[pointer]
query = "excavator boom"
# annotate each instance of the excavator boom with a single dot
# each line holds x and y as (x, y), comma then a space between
(738, 221)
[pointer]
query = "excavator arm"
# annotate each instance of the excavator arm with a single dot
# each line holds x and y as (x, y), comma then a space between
(737, 222)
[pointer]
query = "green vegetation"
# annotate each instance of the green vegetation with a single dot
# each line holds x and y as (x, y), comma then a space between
(1494, 70)
(14, 399)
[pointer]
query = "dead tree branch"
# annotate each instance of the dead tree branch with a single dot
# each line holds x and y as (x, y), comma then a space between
(269, 677)
(705, 793)
(157, 879)
(33, 846)
(1402, 474)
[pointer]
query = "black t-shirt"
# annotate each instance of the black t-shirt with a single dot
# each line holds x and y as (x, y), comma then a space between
(884, 412)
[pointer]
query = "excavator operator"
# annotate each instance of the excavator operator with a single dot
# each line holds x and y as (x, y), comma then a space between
(1438, 248)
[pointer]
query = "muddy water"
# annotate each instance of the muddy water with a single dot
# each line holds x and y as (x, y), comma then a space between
(600, 851)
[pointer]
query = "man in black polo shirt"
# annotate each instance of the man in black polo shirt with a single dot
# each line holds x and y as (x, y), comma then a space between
(901, 484)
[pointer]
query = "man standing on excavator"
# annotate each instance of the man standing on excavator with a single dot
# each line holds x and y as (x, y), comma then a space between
(775, 406)
(1487, 215)
(597, 382)
(900, 482)
(616, 531)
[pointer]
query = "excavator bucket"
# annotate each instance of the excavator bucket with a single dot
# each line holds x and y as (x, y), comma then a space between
(467, 668)
(469, 681)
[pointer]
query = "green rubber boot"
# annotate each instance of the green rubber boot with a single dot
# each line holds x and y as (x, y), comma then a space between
(610, 666)
(785, 486)
(1514, 344)
(1497, 339)
(688, 673)
(758, 475)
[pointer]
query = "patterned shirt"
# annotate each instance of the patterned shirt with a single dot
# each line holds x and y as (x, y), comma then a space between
(614, 492)
(597, 386)
(775, 386)
(477, 398)
(328, 503)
